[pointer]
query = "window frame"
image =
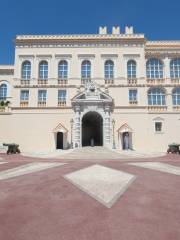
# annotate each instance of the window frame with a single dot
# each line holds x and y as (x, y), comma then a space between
(176, 96)
(157, 98)
(154, 68)
(26, 73)
(86, 69)
(43, 70)
(109, 69)
(63, 69)
(131, 69)
(26, 98)
(42, 97)
(3, 91)
(174, 68)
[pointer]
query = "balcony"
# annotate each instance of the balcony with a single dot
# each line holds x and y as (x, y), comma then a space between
(25, 82)
(24, 104)
(62, 81)
(175, 80)
(62, 103)
(155, 81)
(109, 80)
(176, 108)
(133, 102)
(42, 82)
(85, 80)
(41, 104)
(132, 81)
(157, 108)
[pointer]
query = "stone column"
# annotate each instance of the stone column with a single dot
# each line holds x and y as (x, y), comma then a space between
(107, 125)
(167, 70)
(77, 128)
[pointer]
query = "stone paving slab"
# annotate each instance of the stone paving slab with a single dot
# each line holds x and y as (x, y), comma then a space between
(163, 167)
(104, 184)
(27, 168)
(3, 162)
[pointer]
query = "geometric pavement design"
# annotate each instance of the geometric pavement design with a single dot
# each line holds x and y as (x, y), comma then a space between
(104, 184)
(163, 167)
(27, 168)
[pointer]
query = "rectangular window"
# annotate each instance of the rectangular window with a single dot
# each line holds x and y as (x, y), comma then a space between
(158, 126)
(133, 95)
(24, 96)
(42, 95)
(61, 95)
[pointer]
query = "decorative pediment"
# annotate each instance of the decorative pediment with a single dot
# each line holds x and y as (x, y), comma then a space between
(125, 128)
(60, 128)
(158, 119)
(92, 92)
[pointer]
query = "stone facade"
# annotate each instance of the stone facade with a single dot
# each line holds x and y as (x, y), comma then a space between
(127, 84)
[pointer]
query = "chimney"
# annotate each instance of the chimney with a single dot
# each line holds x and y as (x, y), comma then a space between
(128, 30)
(115, 30)
(102, 30)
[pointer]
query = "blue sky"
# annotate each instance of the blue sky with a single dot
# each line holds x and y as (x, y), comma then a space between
(158, 19)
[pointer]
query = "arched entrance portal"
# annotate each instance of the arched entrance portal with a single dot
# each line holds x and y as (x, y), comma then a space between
(92, 129)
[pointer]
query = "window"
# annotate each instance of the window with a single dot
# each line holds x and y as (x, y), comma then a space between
(43, 70)
(156, 96)
(109, 69)
(63, 69)
(175, 68)
(86, 69)
(131, 69)
(154, 68)
(61, 95)
(26, 70)
(3, 91)
(133, 95)
(158, 126)
(42, 95)
(24, 97)
(176, 96)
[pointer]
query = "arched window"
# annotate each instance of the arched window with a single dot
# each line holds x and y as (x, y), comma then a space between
(109, 69)
(26, 70)
(43, 70)
(156, 96)
(131, 69)
(176, 96)
(63, 69)
(175, 68)
(86, 69)
(3, 91)
(154, 68)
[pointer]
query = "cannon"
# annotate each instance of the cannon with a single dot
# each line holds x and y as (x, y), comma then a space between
(173, 148)
(12, 148)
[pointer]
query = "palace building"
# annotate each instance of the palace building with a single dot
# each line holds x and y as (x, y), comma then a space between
(118, 90)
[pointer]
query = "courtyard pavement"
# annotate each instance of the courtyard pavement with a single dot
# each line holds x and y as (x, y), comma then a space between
(125, 198)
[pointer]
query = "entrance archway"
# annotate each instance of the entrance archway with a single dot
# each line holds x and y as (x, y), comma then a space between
(92, 129)
(59, 140)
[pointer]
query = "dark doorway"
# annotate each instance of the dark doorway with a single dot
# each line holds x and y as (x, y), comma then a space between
(126, 140)
(59, 143)
(92, 129)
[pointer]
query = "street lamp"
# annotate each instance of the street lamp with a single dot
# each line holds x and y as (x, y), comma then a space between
(72, 122)
(113, 125)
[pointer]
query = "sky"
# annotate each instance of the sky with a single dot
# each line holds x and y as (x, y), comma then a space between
(157, 19)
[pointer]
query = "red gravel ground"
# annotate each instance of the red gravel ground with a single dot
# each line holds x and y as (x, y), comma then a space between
(44, 206)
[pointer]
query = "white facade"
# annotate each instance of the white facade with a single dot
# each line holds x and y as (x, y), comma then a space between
(115, 84)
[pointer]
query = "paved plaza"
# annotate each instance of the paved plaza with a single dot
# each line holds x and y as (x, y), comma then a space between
(133, 197)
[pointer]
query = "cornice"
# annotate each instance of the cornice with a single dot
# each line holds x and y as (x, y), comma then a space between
(91, 40)
(79, 36)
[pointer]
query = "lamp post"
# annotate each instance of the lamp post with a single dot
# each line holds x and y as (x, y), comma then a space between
(113, 125)
(72, 122)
